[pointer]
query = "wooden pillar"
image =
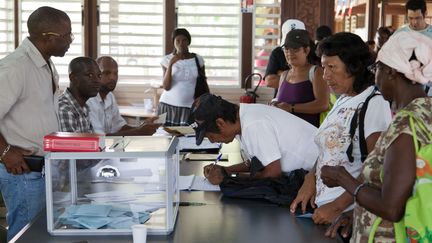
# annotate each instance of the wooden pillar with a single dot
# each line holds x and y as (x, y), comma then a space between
(17, 21)
(90, 20)
(372, 18)
(312, 12)
(382, 12)
(246, 47)
(288, 10)
(170, 23)
(327, 13)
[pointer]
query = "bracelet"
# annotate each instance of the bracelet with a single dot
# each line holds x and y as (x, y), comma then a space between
(5, 151)
(356, 191)
(292, 108)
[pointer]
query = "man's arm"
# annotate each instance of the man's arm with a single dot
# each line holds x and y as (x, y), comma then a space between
(273, 70)
(216, 173)
(143, 130)
(238, 168)
(272, 80)
(272, 170)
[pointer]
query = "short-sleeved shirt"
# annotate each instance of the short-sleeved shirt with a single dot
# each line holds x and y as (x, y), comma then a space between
(28, 107)
(269, 134)
(73, 117)
(104, 114)
(184, 77)
(276, 62)
(363, 219)
(333, 138)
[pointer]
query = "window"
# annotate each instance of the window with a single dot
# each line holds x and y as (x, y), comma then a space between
(215, 30)
(131, 31)
(6, 27)
(267, 33)
(73, 9)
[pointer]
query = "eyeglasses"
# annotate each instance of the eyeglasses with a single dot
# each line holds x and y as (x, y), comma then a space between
(67, 35)
(292, 50)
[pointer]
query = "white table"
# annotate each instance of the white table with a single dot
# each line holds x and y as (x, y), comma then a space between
(136, 112)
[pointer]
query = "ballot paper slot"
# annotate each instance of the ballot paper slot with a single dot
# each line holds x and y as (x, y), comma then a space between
(107, 192)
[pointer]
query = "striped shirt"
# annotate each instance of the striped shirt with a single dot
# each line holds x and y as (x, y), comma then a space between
(73, 117)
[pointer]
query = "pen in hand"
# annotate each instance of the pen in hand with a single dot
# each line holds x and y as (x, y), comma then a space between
(218, 158)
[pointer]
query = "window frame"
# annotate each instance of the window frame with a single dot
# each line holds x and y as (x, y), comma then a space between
(90, 16)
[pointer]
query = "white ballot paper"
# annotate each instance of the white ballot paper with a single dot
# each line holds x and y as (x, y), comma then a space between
(198, 183)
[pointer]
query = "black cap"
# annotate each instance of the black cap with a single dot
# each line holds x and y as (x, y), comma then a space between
(297, 38)
(203, 113)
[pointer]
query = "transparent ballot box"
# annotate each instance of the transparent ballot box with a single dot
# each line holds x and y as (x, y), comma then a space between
(133, 181)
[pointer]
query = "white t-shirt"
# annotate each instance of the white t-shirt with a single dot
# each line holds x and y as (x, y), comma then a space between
(333, 138)
(270, 133)
(184, 75)
(105, 115)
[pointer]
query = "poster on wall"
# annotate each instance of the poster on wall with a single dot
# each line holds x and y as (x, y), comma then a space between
(247, 6)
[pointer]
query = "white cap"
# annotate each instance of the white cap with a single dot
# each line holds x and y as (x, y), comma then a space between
(289, 25)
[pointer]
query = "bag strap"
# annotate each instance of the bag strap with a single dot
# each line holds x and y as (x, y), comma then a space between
(414, 133)
(414, 124)
(286, 75)
(358, 120)
(362, 115)
(399, 227)
(312, 73)
(197, 63)
(373, 229)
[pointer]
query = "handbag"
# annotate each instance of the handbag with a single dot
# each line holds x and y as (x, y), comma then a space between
(201, 86)
(281, 190)
(416, 224)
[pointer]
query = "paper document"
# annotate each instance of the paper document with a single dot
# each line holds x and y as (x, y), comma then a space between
(197, 183)
(161, 119)
(185, 182)
(204, 157)
(189, 143)
(181, 130)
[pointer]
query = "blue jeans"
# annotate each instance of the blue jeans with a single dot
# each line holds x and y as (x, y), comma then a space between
(24, 196)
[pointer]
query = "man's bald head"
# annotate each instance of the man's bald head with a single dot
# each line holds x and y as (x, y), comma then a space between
(105, 59)
(109, 69)
(43, 18)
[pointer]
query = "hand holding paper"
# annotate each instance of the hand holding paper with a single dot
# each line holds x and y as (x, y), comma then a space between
(161, 119)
